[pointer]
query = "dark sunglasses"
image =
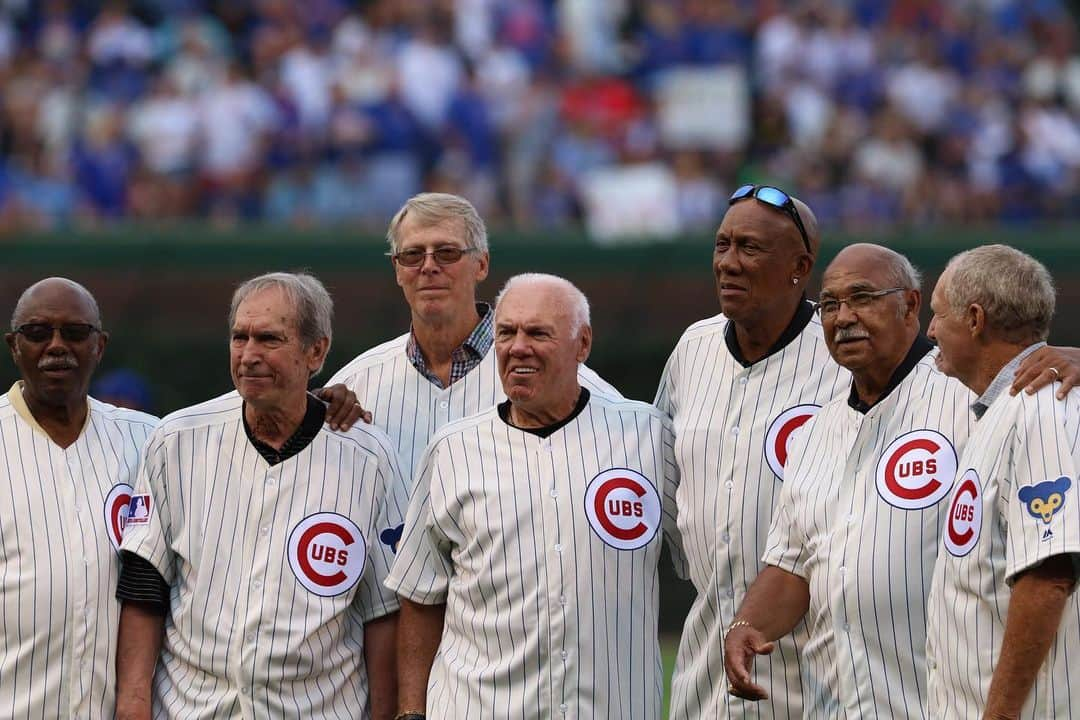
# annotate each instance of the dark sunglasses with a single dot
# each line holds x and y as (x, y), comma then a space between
(43, 332)
(445, 255)
(776, 198)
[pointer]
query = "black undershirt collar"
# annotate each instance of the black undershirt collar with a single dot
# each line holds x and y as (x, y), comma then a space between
(917, 352)
(803, 314)
(309, 428)
(547, 430)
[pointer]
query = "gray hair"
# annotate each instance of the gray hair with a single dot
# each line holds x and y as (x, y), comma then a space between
(313, 305)
(905, 274)
(1014, 289)
(433, 208)
(578, 303)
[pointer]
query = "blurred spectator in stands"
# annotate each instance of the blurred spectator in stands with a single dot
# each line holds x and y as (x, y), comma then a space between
(124, 388)
(104, 161)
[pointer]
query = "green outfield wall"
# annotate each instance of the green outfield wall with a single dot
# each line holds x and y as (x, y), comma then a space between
(164, 294)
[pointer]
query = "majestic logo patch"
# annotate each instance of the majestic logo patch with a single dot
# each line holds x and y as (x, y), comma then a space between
(1045, 499)
(964, 523)
(327, 553)
(916, 470)
(390, 537)
(116, 512)
(623, 508)
(782, 431)
(139, 509)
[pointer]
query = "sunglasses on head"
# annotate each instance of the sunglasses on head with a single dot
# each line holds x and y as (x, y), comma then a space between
(778, 199)
(43, 332)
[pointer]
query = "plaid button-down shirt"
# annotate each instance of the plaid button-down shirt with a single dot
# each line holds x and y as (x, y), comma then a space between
(466, 356)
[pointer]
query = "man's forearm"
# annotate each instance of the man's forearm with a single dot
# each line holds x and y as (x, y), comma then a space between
(1037, 602)
(419, 633)
(775, 602)
(137, 651)
(380, 658)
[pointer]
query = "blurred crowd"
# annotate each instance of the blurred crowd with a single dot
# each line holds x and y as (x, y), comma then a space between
(880, 113)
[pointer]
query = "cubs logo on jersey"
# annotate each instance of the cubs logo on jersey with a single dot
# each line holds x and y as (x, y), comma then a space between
(623, 508)
(964, 523)
(116, 512)
(1045, 499)
(916, 470)
(327, 553)
(390, 537)
(782, 431)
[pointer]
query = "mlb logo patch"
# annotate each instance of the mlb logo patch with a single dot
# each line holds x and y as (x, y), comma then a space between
(139, 509)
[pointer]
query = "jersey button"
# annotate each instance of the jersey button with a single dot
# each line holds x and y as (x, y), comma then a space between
(270, 479)
(256, 585)
(843, 570)
(554, 493)
(444, 405)
(726, 537)
(563, 708)
(265, 529)
(742, 380)
(735, 431)
(729, 484)
(251, 637)
(564, 654)
(562, 599)
(558, 547)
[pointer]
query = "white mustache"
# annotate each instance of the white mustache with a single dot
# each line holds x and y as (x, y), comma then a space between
(850, 333)
(58, 363)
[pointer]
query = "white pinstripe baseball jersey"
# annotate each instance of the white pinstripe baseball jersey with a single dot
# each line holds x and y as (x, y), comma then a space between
(860, 519)
(61, 515)
(273, 569)
(545, 552)
(410, 408)
(733, 425)
(1013, 505)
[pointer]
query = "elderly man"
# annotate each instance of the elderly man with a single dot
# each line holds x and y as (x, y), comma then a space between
(528, 571)
(442, 369)
(1003, 620)
(738, 387)
(69, 462)
(855, 532)
(256, 539)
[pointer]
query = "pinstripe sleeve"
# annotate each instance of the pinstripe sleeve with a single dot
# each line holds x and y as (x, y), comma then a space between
(665, 401)
(149, 536)
(373, 597)
(671, 488)
(422, 568)
(1042, 511)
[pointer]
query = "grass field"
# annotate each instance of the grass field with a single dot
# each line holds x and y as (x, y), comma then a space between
(668, 645)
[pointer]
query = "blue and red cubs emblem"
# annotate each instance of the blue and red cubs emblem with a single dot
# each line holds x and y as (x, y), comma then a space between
(916, 470)
(623, 508)
(116, 512)
(327, 553)
(964, 523)
(782, 431)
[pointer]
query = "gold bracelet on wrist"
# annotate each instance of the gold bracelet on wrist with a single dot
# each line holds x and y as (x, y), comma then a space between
(737, 623)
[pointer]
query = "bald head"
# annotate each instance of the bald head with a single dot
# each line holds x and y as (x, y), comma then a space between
(553, 292)
(56, 292)
(895, 269)
(810, 223)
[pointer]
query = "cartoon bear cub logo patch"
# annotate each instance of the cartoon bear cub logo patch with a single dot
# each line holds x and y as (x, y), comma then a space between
(1046, 499)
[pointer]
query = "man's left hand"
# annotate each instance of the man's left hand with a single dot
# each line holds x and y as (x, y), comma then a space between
(1046, 365)
(342, 409)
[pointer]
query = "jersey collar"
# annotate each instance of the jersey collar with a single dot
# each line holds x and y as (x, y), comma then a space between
(18, 402)
(915, 353)
(547, 430)
(803, 315)
(1002, 380)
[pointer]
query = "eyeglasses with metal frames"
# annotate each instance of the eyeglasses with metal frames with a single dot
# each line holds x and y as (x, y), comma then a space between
(43, 332)
(445, 255)
(855, 301)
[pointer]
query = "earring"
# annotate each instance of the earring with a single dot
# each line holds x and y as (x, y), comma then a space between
(794, 281)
